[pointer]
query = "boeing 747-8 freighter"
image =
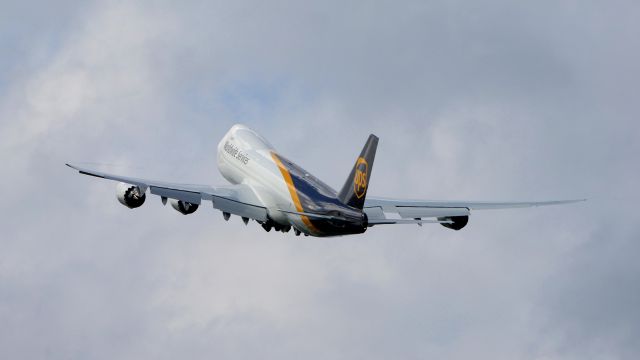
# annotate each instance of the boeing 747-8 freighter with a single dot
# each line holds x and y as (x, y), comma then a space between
(280, 195)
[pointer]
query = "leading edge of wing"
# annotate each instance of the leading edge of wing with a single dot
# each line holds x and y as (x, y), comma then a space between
(471, 205)
(235, 199)
(143, 183)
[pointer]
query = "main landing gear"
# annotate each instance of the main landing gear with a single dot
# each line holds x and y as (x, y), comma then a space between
(267, 225)
(270, 224)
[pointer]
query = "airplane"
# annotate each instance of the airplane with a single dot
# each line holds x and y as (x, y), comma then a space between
(278, 194)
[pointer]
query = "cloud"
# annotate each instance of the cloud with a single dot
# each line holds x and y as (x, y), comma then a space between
(493, 101)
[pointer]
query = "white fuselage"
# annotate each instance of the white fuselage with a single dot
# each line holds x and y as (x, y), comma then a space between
(245, 157)
(292, 196)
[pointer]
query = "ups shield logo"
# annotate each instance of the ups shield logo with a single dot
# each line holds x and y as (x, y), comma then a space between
(360, 179)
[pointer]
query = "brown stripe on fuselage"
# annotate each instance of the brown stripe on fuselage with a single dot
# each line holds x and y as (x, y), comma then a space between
(294, 193)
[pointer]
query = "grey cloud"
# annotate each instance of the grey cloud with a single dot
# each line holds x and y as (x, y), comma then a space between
(479, 101)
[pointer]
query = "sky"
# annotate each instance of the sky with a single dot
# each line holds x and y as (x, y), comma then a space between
(491, 100)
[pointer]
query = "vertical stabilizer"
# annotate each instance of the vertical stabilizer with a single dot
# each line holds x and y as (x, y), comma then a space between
(354, 190)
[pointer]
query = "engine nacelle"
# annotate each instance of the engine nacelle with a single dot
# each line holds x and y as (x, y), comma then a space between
(458, 222)
(183, 207)
(129, 195)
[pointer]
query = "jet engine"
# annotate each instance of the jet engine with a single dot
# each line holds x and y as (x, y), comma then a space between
(130, 195)
(457, 222)
(183, 207)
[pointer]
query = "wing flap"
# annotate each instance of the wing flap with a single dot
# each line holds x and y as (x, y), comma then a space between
(426, 212)
(408, 221)
(398, 211)
(239, 208)
(188, 196)
(412, 212)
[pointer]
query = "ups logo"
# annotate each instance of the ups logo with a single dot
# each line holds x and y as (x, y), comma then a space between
(360, 179)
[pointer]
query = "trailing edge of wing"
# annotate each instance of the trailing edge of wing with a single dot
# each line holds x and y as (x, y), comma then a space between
(407, 221)
(372, 222)
(471, 205)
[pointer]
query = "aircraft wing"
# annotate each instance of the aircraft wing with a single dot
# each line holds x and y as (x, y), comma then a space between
(234, 199)
(385, 211)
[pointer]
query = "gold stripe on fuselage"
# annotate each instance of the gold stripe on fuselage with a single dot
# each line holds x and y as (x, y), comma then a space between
(294, 193)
